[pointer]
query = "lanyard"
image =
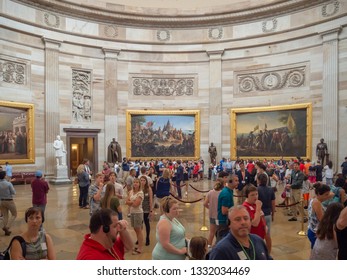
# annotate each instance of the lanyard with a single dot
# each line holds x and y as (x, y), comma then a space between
(243, 249)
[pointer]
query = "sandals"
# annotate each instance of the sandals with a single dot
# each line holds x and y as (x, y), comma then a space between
(136, 252)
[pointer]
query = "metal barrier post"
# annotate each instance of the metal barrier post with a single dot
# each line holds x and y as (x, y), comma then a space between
(204, 227)
(302, 232)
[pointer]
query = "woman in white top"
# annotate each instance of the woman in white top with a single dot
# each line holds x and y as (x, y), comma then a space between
(329, 173)
(134, 200)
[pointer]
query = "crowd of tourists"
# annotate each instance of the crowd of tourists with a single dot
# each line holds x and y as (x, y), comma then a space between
(241, 208)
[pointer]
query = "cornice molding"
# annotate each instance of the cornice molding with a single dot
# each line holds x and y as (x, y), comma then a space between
(206, 20)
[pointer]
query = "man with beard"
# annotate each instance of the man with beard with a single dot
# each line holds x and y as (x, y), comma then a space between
(239, 243)
(108, 238)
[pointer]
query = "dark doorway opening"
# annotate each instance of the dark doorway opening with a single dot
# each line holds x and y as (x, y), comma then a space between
(81, 144)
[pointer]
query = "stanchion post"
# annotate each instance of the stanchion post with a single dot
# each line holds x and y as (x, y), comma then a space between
(302, 232)
(187, 189)
(204, 227)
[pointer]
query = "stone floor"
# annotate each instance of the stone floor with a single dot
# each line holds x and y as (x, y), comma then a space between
(67, 223)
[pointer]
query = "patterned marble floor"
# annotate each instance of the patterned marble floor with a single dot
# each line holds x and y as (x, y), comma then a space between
(67, 223)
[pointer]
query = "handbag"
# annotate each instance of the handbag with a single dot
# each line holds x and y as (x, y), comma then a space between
(5, 255)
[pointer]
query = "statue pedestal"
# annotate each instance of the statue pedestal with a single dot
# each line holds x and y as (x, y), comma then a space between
(60, 175)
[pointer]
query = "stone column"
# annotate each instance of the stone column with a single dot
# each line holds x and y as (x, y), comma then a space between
(330, 93)
(52, 118)
(215, 109)
(111, 97)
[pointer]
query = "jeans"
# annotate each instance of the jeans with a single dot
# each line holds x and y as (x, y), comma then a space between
(83, 199)
(178, 187)
(147, 225)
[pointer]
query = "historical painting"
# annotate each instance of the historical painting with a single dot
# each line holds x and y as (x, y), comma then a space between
(16, 133)
(271, 132)
(163, 134)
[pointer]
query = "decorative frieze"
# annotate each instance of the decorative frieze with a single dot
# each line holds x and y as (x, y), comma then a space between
(52, 20)
(215, 33)
(12, 72)
(163, 35)
(163, 85)
(271, 80)
(269, 25)
(81, 96)
(111, 31)
(330, 9)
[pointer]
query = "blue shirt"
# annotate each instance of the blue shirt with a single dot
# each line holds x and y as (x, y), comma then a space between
(6, 190)
(226, 199)
(9, 170)
(230, 249)
(266, 195)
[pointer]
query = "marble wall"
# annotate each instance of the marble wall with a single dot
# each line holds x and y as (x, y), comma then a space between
(311, 44)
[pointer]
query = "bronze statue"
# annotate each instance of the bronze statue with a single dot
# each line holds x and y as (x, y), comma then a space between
(114, 152)
(213, 153)
(321, 151)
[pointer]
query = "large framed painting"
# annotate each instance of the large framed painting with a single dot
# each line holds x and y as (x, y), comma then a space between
(16, 133)
(163, 134)
(271, 132)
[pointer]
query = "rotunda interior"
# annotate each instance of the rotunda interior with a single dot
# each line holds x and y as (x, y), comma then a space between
(233, 73)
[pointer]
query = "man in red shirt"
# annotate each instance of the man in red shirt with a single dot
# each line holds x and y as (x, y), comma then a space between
(109, 238)
(40, 189)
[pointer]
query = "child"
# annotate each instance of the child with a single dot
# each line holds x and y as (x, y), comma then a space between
(198, 248)
(306, 187)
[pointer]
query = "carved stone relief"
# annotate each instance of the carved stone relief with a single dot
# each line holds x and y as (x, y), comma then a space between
(269, 26)
(215, 33)
(111, 31)
(81, 96)
(163, 85)
(12, 72)
(271, 80)
(52, 20)
(163, 35)
(330, 9)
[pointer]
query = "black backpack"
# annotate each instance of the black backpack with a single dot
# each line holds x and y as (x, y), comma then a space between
(5, 255)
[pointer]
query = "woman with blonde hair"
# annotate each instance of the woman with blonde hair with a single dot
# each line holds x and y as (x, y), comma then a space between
(134, 201)
(111, 201)
(164, 184)
(147, 205)
(211, 203)
(170, 233)
(83, 184)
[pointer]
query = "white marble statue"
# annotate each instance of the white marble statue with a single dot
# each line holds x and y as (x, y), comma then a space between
(60, 151)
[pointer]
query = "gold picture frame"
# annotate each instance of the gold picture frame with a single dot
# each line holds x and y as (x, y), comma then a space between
(272, 132)
(16, 133)
(163, 134)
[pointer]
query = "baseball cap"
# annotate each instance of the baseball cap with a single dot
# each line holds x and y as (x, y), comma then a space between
(38, 173)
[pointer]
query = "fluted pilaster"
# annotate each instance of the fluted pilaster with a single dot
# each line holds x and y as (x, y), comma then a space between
(52, 118)
(330, 93)
(215, 100)
(111, 95)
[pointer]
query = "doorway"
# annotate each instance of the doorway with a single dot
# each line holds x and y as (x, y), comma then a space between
(81, 144)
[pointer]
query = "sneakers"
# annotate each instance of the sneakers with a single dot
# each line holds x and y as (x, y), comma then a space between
(293, 219)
